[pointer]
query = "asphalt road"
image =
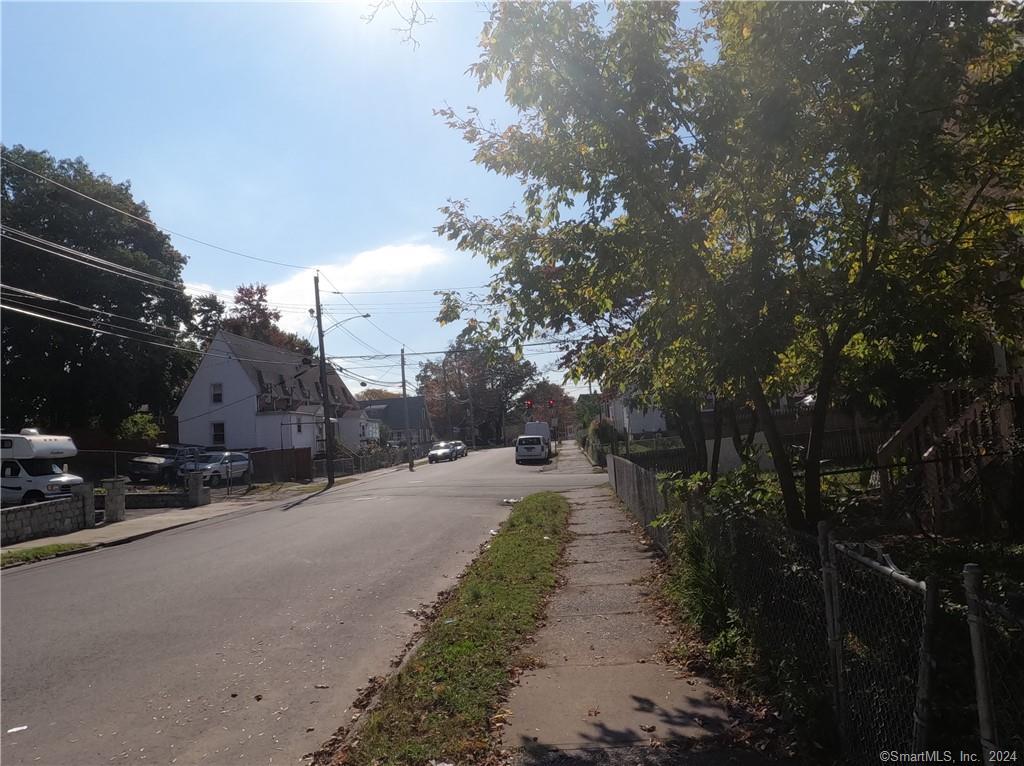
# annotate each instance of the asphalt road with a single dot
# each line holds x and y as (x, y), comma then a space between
(212, 644)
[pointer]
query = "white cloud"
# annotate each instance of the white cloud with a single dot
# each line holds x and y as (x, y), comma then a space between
(390, 267)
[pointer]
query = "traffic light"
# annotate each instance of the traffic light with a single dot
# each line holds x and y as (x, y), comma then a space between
(529, 404)
(551, 402)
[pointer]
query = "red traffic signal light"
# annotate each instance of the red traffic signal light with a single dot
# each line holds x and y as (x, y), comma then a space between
(551, 402)
(529, 403)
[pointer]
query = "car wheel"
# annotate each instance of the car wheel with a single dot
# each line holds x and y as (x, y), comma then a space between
(35, 496)
(215, 480)
(518, 461)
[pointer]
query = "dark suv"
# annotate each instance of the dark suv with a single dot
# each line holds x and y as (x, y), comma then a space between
(161, 464)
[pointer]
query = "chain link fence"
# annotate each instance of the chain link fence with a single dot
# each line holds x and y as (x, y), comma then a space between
(878, 631)
(839, 625)
(997, 643)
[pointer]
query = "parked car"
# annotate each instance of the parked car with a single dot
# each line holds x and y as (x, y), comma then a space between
(461, 450)
(442, 451)
(160, 465)
(531, 448)
(30, 473)
(218, 467)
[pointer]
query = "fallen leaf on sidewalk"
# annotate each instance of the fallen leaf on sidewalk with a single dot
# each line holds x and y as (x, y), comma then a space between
(593, 711)
(647, 727)
(321, 686)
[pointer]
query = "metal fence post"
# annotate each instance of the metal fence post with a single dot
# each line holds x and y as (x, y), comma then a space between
(982, 687)
(842, 711)
(922, 706)
(832, 634)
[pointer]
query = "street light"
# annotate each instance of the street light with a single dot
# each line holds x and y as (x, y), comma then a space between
(346, 319)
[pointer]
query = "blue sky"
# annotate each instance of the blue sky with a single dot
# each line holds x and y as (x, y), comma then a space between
(294, 132)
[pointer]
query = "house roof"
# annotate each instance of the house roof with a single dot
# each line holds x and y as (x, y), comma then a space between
(392, 413)
(280, 372)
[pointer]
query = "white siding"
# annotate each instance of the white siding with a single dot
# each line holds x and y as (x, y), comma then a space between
(640, 421)
(237, 410)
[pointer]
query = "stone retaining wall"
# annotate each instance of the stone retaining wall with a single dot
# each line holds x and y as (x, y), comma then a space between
(53, 517)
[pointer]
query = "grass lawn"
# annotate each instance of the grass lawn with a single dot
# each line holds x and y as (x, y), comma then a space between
(28, 555)
(439, 705)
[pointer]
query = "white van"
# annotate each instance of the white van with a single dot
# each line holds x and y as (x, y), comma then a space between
(543, 430)
(30, 471)
(531, 448)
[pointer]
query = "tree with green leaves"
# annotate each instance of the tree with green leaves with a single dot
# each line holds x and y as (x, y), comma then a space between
(62, 377)
(783, 196)
(474, 387)
(140, 426)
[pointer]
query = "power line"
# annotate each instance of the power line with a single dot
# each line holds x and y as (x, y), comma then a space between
(446, 351)
(142, 340)
(416, 290)
(151, 223)
(379, 328)
(41, 296)
(117, 269)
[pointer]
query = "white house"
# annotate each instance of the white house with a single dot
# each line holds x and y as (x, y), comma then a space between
(634, 420)
(358, 429)
(246, 394)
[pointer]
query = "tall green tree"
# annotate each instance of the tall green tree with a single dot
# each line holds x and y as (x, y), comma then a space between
(61, 377)
(758, 203)
(475, 386)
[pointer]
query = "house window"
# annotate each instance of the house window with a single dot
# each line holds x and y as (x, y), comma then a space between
(298, 426)
(218, 434)
(216, 393)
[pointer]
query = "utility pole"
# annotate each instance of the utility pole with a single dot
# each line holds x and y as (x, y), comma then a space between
(324, 391)
(405, 406)
(447, 404)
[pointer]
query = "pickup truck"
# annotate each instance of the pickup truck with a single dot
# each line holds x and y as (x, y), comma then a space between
(161, 464)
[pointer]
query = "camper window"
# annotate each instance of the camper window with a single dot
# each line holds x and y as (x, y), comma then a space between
(6, 443)
(40, 466)
(10, 469)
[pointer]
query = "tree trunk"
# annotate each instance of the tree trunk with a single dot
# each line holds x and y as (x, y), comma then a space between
(783, 468)
(716, 452)
(698, 434)
(812, 470)
(751, 432)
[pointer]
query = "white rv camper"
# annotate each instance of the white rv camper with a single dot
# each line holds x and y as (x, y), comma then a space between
(32, 468)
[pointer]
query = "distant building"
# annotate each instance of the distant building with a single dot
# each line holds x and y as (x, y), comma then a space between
(246, 394)
(391, 413)
(359, 430)
(631, 419)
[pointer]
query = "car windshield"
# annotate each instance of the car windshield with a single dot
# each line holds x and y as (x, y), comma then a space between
(529, 440)
(164, 451)
(40, 467)
(441, 445)
(209, 457)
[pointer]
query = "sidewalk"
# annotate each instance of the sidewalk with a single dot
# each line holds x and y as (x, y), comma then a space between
(601, 695)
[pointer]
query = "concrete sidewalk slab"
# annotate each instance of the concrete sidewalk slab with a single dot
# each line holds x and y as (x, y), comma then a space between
(608, 705)
(612, 641)
(573, 600)
(601, 694)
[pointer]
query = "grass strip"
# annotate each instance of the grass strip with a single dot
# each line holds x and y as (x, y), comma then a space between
(28, 555)
(439, 705)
